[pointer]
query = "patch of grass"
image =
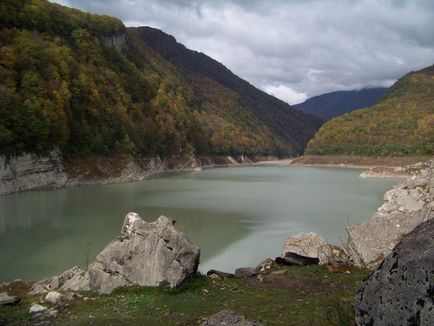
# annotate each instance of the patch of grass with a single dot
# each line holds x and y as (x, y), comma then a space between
(306, 295)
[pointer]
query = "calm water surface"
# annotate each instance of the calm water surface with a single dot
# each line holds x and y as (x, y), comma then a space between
(237, 216)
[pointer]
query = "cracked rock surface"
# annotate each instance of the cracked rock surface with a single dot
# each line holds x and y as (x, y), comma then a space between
(400, 290)
(405, 206)
(145, 254)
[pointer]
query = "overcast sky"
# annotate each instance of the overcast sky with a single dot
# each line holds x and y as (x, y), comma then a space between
(293, 49)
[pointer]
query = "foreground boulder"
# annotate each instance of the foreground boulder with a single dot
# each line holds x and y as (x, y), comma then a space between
(229, 318)
(400, 290)
(307, 245)
(405, 207)
(145, 254)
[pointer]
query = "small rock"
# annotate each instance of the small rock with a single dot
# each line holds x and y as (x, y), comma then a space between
(279, 272)
(5, 299)
(35, 308)
(245, 272)
(229, 318)
(54, 297)
(338, 268)
(220, 275)
(72, 296)
(51, 313)
(265, 266)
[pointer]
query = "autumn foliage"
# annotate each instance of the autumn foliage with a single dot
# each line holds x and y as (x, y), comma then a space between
(88, 85)
(402, 123)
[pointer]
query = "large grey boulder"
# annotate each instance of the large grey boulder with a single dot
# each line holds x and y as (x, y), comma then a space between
(400, 290)
(405, 207)
(145, 254)
(309, 245)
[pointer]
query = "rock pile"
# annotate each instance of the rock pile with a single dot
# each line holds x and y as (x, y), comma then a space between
(146, 254)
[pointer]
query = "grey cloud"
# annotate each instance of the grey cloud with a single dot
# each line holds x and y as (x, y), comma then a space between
(306, 47)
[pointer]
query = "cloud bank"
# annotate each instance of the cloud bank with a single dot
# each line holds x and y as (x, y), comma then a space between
(294, 49)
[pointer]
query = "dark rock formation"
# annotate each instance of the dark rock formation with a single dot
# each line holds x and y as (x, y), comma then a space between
(218, 274)
(292, 258)
(400, 291)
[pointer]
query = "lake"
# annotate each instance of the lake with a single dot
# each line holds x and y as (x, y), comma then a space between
(237, 216)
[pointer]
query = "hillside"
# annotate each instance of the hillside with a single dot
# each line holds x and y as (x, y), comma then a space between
(402, 123)
(88, 85)
(330, 105)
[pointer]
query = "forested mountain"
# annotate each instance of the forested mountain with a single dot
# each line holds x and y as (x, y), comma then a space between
(401, 123)
(330, 105)
(88, 85)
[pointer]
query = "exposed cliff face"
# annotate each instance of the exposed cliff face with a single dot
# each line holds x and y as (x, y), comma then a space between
(31, 171)
(118, 169)
(117, 41)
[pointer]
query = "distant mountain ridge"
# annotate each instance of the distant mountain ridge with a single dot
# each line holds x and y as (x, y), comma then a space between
(402, 123)
(330, 105)
(87, 85)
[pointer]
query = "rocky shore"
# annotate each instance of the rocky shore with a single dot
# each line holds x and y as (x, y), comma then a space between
(405, 207)
(31, 171)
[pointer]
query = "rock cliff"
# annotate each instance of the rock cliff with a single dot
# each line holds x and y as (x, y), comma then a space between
(31, 171)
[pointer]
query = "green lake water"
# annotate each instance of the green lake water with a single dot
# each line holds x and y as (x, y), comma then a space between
(237, 216)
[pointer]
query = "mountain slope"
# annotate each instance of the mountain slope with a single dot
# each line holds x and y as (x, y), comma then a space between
(330, 105)
(88, 85)
(209, 77)
(402, 123)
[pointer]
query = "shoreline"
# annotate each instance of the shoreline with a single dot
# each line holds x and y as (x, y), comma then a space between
(30, 172)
